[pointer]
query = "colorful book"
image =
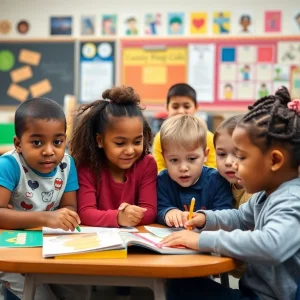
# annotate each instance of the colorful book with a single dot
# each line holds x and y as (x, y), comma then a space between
(65, 244)
(21, 238)
(120, 253)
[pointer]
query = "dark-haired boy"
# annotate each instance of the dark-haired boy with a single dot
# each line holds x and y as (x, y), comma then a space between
(39, 181)
(182, 99)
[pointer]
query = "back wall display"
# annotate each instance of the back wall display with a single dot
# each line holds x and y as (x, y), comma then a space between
(35, 69)
(225, 72)
(97, 69)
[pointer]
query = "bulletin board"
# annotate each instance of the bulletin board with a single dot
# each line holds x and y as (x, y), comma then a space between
(97, 69)
(38, 68)
(227, 73)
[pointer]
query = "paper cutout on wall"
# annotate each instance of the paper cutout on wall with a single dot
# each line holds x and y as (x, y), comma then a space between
(30, 57)
(21, 74)
(17, 92)
(40, 88)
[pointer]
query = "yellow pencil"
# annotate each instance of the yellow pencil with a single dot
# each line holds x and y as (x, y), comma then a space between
(192, 205)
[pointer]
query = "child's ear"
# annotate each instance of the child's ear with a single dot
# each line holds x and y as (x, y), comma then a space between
(206, 152)
(277, 160)
(99, 140)
(17, 144)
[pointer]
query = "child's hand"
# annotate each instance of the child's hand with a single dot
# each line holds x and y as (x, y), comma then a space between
(173, 218)
(185, 216)
(130, 215)
(62, 218)
(186, 238)
(198, 220)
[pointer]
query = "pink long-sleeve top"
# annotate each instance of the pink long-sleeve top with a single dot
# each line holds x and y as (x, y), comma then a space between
(98, 202)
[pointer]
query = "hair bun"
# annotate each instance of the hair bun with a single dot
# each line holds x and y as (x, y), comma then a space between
(124, 95)
(283, 95)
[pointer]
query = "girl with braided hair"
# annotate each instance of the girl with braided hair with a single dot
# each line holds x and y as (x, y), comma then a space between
(264, 232)
(116, 174)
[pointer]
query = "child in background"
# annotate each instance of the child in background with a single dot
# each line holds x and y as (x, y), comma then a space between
(183, 140)
(182, 99)
(226, 157)
(117, 176)
(264, 231)
(38, 182)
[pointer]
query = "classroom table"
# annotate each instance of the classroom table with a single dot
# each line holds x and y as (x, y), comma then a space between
(138, 269)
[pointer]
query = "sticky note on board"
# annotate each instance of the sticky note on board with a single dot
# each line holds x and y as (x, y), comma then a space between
(21, 74)
(30, 57)
(17, 92)
(40, 88)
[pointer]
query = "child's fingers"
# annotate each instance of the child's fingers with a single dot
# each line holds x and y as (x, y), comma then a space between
(138, 209)
(169, 222)
(123, 206)
(175, 220)
(137, 214)
(70, 225)
(75, 216)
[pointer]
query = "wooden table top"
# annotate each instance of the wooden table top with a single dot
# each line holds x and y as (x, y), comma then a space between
(30, 260)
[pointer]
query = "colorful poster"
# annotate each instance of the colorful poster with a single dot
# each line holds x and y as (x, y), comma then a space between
(198, 23)
(296, 22)
(244, 21)
(153, 70)
(221, 22)
(109, 24)
(201, 71)
(295, 82)
(176, 23)
(273, 21)
(153, 24)
(87, 25)
(131, 25)
(61, 25)
(288, 53)
(96, 69)
(245, 72)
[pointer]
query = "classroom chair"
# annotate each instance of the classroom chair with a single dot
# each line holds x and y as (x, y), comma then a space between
(8, 295)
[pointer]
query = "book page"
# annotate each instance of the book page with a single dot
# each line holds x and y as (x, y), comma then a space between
(88, 229)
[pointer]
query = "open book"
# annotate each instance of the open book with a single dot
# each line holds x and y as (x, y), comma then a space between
(67, 244)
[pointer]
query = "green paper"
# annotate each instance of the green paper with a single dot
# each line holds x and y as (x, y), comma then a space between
(21, 238)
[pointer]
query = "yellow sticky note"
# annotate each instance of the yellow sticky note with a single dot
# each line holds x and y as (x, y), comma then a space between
(40, 88)
(30, 57)
(155, 75)
(17, 92)
(21, 74)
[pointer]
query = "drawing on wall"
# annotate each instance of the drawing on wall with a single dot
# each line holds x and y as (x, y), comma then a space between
(23, 26)
(273, 21)
(245, 70)
(131, 27)
(153, 23)
(263, 90)
(296, 22)
(175, 23)
(288, 53)
(109, 24)
(87, 25)
(221, 22)
(245, 21)
(228, 91)
(61, 25)
(5, 27)
(198, 23)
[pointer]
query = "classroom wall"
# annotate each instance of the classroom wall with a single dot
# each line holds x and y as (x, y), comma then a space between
(37, 12)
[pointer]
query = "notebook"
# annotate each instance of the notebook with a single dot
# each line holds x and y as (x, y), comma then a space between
(20, 238)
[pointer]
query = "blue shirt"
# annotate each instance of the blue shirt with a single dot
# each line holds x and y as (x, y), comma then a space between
(10, 174)
(211, 192)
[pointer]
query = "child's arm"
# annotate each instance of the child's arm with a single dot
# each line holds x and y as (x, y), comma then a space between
(157, 153)
(147, 191)
(165, 201)
(11, 219)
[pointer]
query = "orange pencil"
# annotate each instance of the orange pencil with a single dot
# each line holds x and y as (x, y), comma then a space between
(191, 211)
